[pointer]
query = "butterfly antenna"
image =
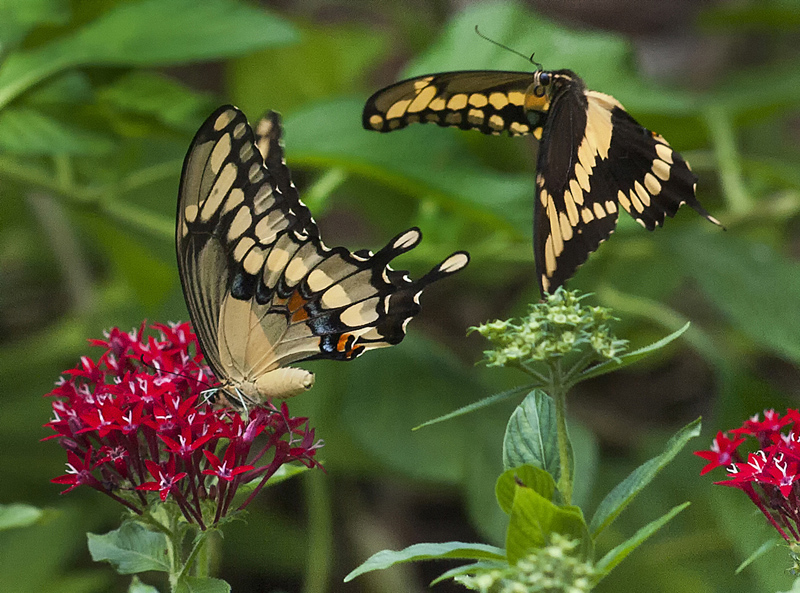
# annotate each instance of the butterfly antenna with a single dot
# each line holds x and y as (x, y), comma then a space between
(513, 51)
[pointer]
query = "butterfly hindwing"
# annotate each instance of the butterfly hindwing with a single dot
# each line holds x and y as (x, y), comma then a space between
(262, 289)
(489, 101)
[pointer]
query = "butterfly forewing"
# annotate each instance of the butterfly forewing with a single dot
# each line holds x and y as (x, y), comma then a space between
(262, 289)
(489, 101)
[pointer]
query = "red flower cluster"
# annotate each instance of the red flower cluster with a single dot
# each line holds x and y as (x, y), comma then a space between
(131, 423)
(770, 476)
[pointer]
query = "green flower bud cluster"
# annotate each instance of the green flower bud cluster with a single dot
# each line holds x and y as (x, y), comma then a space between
(552, 329)
(552, 569)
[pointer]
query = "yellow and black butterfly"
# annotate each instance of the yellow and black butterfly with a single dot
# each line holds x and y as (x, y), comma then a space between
(593, 156)
(262, 289)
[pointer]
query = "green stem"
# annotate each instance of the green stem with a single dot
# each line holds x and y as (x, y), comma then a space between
(320, 541)
(721, 127)
(558, 391)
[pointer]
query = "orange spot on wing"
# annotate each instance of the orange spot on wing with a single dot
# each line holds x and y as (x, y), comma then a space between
(300, 315)
(344, 339)
(296, 301)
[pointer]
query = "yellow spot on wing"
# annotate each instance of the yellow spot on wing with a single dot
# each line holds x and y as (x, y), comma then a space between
(549, 257)
(376, 121)
(623, 199)
(223, 120)
(277, 259)
(664, 152)
(642, 193)
(516, 98)
(598, 210)
(235, 197)
(421, 101)
(242, 247)
(218, 191)
(478, 100)
(475, 116)
(518, 128)
(661, 169)
(318, 280)
(457, 102)
(398, 109)
(582, 176)
(635, 202)
(496, 122)
(438, 104)
(335, 297)
(572, 209)
(566, 227)
(652, 184)
(219, 153)
(555, 229)
(576, 191)
(253, 261)
(241, 222)
(498, 100)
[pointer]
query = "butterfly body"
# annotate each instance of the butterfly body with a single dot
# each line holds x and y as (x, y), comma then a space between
(262, 289)
(593, 156)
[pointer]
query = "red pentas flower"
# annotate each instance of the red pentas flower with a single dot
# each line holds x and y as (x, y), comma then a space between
(136, 428)
(770, 472)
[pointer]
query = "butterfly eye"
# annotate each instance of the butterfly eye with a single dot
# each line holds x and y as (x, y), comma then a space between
(544, 78)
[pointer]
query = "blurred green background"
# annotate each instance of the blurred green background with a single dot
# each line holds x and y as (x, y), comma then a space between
(98, 102)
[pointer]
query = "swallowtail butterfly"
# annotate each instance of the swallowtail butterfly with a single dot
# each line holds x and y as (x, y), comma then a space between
(593, 156)
(262, 289)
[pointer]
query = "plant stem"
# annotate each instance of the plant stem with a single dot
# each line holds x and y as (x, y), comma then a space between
(558, 391)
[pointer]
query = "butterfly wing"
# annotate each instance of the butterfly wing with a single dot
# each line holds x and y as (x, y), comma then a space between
(485, 100)
(593, 158)
(262, 289)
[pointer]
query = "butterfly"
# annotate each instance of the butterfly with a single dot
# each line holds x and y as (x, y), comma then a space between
(593, 156)
(262, 289)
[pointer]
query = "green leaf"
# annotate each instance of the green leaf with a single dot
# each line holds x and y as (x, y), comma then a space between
(30, 132)
(456, 550)
(332, 57)
(616, 500)
(534, 518)
(607, 563)
(468, 569)
(531, 435)
(154, 95)
(482, 403)
(760, 551)
(532, 477)
(138, 586)
(149, 33)
(418, 160)
(18, 515)
(631, 357)
(202, 585)
(405, 378)
(755, 286)
(130, 549)
(596, 56)
(18, 18)
(148, 276)
(604, 60)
